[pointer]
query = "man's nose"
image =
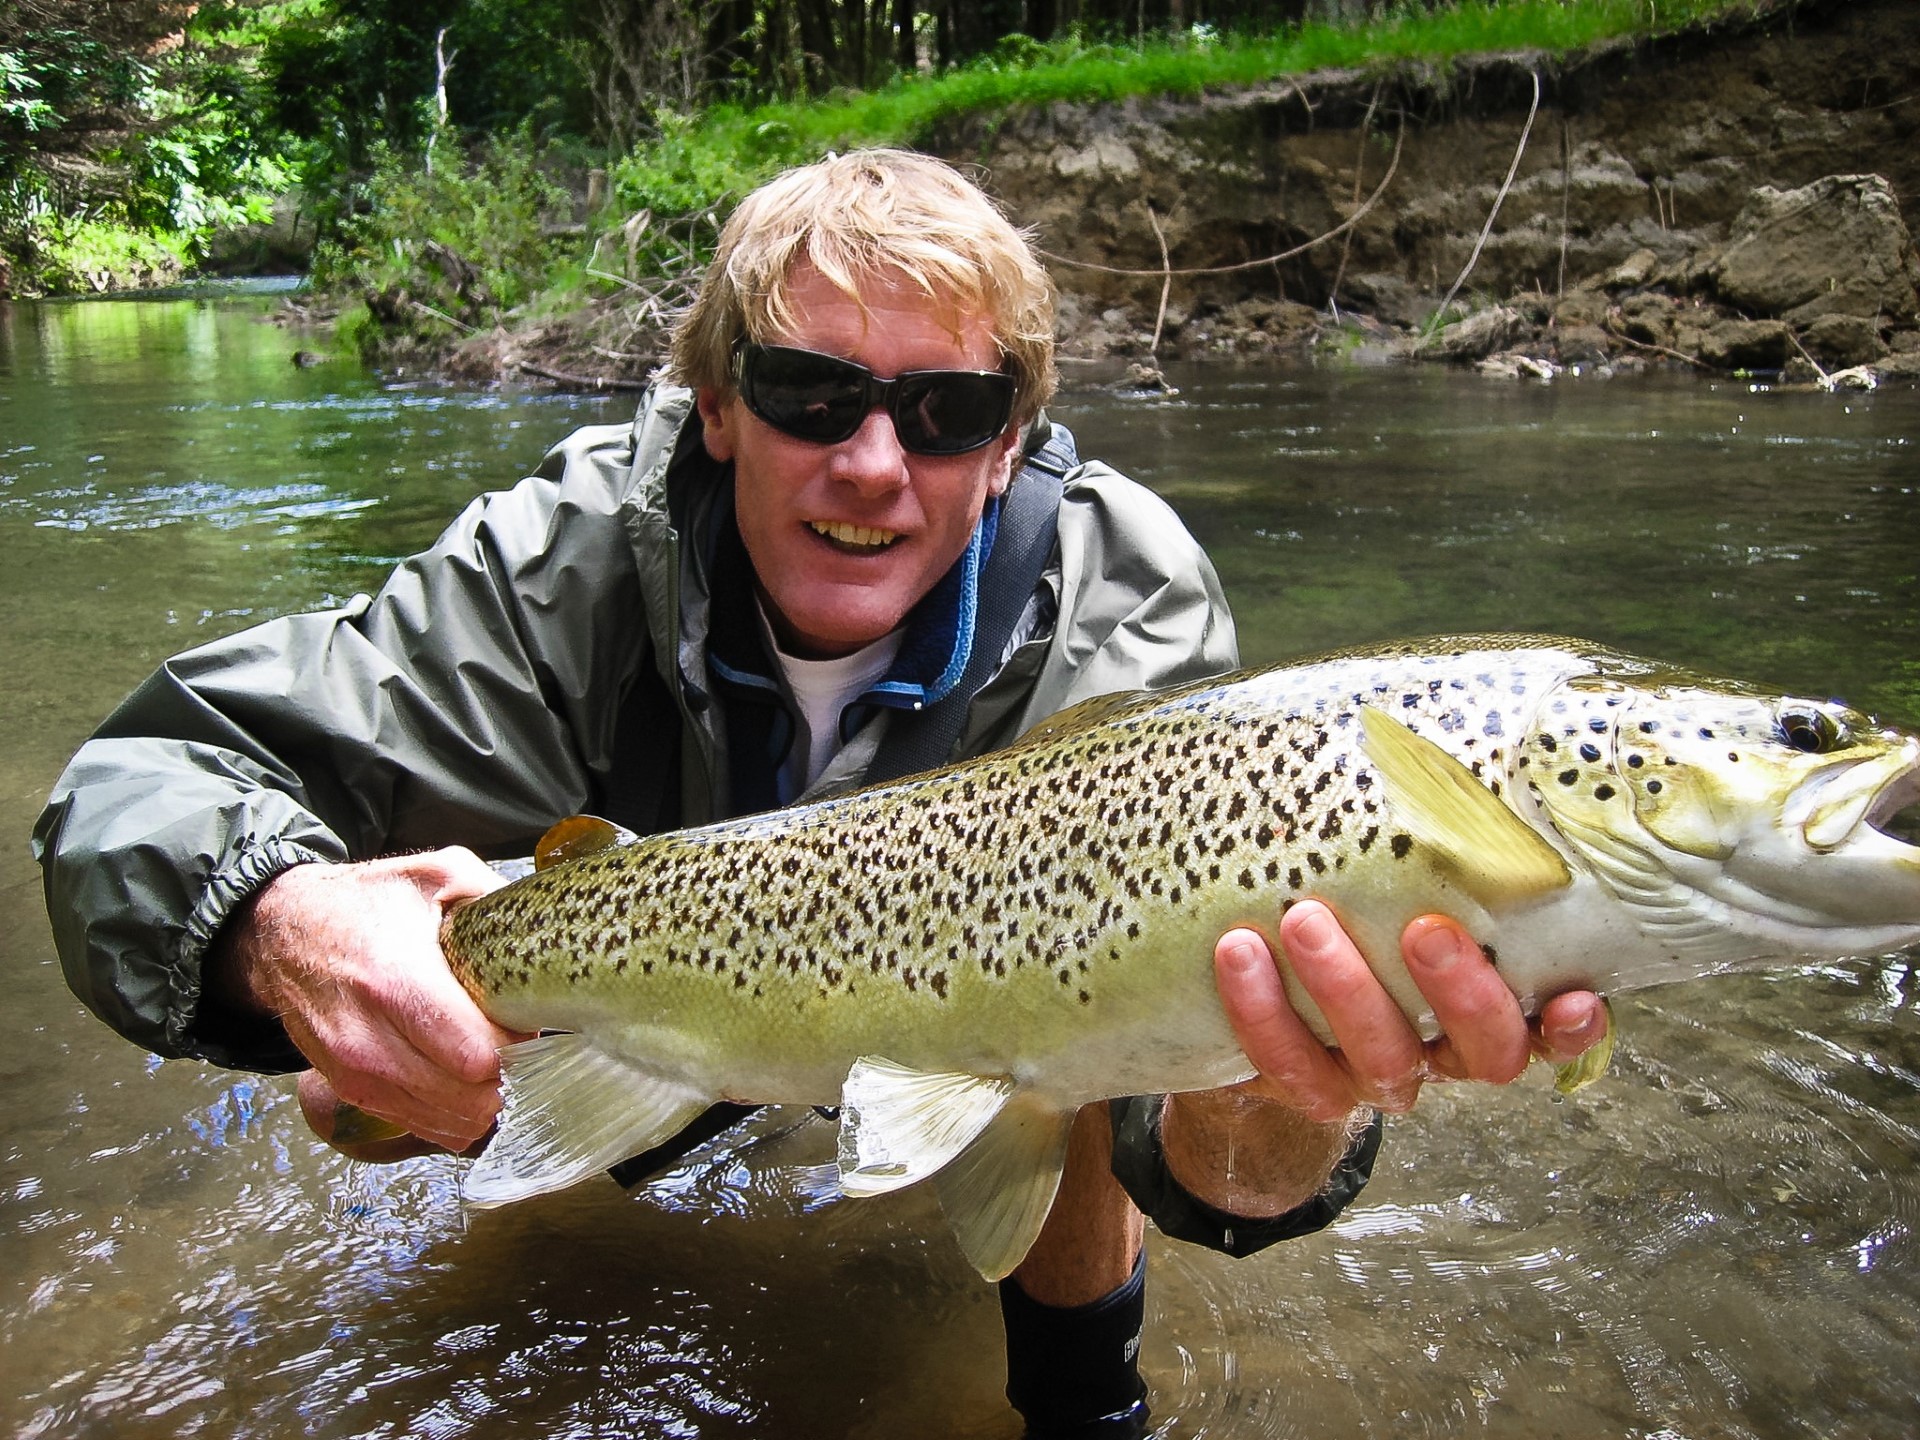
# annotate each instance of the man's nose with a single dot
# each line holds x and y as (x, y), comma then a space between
(872, 457)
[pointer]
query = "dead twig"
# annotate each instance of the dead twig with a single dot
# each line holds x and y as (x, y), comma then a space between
(440, 315)
(1359, 173)
(579, 382)
(1648, 345)
(1333, 234)
(1498, 200)
(1166, 281)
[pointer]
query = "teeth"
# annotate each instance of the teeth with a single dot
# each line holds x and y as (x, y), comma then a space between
(861, 535)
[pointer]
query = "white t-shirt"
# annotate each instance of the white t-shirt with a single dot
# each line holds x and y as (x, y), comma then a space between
(821, 689)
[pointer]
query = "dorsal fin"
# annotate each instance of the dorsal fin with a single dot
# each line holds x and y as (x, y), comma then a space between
(1497, 854)
(576, 836)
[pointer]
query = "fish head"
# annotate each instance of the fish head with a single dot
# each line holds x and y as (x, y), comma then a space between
(1775, 814)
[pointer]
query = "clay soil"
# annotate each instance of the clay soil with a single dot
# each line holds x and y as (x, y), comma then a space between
(1732, 198)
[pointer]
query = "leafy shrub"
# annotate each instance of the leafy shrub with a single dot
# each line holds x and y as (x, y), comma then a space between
(461, 242)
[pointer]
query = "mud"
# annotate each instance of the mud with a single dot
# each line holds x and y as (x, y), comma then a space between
(1728, 199)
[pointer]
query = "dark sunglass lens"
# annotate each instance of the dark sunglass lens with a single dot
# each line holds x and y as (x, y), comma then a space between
(812, 397)
(949, 413)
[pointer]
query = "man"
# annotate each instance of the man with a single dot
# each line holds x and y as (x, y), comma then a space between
(773, 584)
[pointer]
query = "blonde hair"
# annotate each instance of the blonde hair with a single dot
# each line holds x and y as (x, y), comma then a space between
(853, 218)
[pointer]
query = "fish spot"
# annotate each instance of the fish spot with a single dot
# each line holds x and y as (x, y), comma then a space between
(1568, 777)
(1603, 792)
(1401, 845)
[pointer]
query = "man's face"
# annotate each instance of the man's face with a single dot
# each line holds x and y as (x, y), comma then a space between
(846, 539)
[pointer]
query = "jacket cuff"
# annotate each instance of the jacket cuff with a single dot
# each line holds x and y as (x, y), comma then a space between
(1140, 1165)
(199, 1024)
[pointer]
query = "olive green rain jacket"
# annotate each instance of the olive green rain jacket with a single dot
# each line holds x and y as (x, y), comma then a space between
(477, 698)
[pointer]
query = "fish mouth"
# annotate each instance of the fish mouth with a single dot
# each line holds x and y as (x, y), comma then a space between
(1881, 795)
(1896, 812)
(862, 539)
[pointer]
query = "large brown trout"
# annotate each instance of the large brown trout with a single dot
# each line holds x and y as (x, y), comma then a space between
(961, 959)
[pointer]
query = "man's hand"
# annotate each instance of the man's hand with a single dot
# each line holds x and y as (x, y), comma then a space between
(348, 956)
(1265, 1146)
(1381, 1061)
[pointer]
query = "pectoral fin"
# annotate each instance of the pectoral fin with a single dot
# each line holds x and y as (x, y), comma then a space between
(1495, 853)
(1580, 1073)
(998, 1192)
(571, 1109)
(899, 1125)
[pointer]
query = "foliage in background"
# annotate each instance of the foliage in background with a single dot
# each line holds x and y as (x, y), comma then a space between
(131, 133)
(134, 134)
(710, 160)
(448, 249)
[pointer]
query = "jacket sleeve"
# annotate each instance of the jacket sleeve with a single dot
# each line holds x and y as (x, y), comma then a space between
(467, 702)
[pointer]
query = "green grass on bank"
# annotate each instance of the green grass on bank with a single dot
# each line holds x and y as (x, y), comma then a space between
(685, 181)
(714, 158)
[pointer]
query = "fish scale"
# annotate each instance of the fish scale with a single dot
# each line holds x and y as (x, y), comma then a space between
(1034, 929)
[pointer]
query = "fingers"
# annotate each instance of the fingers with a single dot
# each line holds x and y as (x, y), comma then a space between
(374, 1069)
(1381, 1051)
(1294, 1066)
(352, 1131)
(1376, 1057)
(1569, 1026)
(351, 957)
(1485, 1035)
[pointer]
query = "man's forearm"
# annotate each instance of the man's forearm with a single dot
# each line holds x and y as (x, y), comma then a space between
(1248, 1155)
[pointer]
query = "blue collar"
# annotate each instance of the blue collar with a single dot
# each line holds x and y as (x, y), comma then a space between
(933, 654)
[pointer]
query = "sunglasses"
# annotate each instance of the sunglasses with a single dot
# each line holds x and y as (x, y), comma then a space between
(824, 399)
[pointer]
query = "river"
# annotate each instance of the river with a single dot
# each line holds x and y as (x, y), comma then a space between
(1718, 1240)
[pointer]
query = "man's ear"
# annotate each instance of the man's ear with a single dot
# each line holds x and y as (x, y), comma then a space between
(1006, 462)
(716, 422)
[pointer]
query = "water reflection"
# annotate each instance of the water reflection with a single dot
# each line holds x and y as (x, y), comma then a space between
(1720, 1240)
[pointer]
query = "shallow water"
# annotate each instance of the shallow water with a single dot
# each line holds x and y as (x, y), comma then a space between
(1717, 1241)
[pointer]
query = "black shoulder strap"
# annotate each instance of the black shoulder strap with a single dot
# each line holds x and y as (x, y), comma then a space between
(1023, 542)
(642, 789)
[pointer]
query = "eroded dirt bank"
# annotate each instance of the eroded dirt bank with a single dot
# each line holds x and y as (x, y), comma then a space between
(1730, 199)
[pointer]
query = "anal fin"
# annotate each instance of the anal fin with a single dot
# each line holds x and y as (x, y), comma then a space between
(571, 1109)
(997, 1193)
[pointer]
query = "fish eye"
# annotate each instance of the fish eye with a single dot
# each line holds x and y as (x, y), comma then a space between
(1814, 731)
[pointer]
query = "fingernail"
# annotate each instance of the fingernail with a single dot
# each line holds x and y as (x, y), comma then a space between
(1242, 955)
(1436, 947)
(1314, 928)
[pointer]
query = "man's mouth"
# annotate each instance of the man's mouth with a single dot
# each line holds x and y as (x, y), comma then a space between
(862, 538)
